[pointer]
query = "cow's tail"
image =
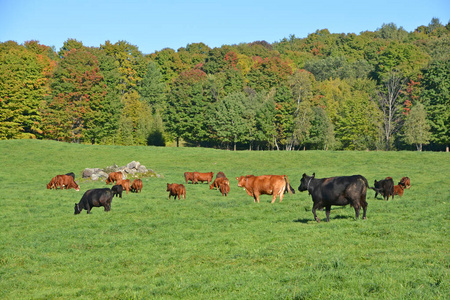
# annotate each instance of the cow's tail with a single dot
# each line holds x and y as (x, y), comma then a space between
(288, 186)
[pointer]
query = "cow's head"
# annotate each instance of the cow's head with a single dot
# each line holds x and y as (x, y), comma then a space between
(169, 186)
(305, 182)
(77, 208)
(242, 181)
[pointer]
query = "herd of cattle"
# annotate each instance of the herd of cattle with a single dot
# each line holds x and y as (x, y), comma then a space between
(325, 192)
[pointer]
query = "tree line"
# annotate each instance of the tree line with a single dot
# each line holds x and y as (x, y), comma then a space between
(381, 90)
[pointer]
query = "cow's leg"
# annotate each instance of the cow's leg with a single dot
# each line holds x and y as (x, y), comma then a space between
(256, 196)
(328, 210)
(316, 206)
(357, 208)
(88, 208)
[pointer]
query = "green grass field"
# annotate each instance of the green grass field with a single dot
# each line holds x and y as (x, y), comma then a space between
(214, 247)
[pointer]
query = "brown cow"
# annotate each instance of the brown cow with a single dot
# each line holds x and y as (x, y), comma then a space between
(224, 189)
(189, 176)
(208, 177)
(266, 184)
(66, 182)
(126, 184)
(175, 190)
(218, 181)
(405, 182)
(398, 190)
(114, 177)
(137, 185)
(220, 175)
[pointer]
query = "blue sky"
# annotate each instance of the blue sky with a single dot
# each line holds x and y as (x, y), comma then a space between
(155, 25)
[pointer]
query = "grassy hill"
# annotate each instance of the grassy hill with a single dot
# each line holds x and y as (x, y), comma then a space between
(209, 246)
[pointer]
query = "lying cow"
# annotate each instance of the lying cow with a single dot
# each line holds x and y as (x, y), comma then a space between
(189, 176)
(117, 190)
(398, 190)
(114, 177)
(405, 182)
(95, 198)
(340, 191)
(175, 190)
(126, 184)
(385, 187)
(264, 185)
(203, 177)
(136, 186)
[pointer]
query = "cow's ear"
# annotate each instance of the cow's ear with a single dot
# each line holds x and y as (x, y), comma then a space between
(314, 175)
(304, 175)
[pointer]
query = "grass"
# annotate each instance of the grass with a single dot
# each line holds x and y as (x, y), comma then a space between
(209, 246)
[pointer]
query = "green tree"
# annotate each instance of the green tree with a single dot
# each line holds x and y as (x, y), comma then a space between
(227, 119)
(416, 129)
(152, 89)
(187, 103)
(436, 97)
(24, 75)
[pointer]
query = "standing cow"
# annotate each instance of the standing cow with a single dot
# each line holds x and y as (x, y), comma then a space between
(137, 185)
(340, 191)
(176, 189)
(264, 185)
(95, 198)
(385, 187)
(114, 177)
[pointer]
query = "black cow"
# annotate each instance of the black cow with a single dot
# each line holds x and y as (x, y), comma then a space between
(117, 190)
(385, 187)
(71, 174)
(340, 191)
(95, 198)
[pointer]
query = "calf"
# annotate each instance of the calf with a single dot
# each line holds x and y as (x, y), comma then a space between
(175, 190)
(266, 184)
(95, 198)
(340, 191)
(203, 177)
(137, 185)
(117, 190)
(385, 187)
(114, 177)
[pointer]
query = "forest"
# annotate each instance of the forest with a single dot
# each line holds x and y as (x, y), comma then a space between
(387, 89)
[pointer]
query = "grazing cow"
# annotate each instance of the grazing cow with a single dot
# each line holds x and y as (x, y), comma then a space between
(203, 177)
(189, 176)
(137, 185)
(385, 187)
(220, 175)
(266, 184)
(224, 189)
(398, 190)
(340, 191)
(218, 181)
(126, 184)
(405, 182)
(114, 177)
(95, 198)
(175, 190)
(52, 183)
(117, 190)
(66, 182)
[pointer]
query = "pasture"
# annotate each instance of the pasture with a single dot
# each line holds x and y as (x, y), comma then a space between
(214, 247)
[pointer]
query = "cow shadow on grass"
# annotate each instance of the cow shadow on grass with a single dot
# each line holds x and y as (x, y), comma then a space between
(323, 219)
